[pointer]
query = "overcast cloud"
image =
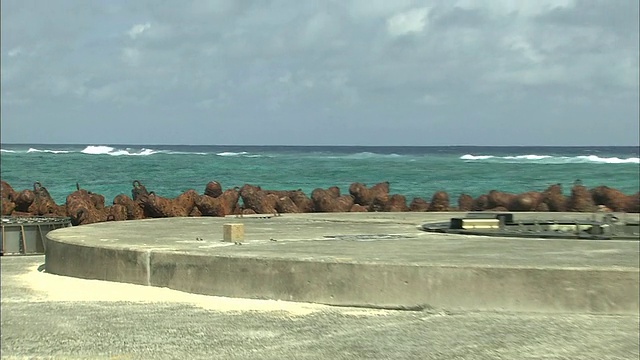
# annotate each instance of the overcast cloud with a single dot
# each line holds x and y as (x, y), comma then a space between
(362, 72)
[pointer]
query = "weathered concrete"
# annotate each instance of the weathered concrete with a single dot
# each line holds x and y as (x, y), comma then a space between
(233, 232)
(45, 316)
(378, 260)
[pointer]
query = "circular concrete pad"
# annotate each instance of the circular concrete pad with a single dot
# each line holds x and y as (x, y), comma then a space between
(376, 260)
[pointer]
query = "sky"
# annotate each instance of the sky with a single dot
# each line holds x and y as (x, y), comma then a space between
(326, 72)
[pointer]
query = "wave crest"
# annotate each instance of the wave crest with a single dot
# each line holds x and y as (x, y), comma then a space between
(231, 153)
(476, 157)
(528, 157)
(243, 154)
(97, 150)
(33, 150)
(371, 155)
(548, 159)
(108, 150)
(611, 160)
(104, 150)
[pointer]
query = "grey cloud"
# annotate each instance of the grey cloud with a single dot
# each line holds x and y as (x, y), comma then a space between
(297, 72)
(621, 18)
(461, 18)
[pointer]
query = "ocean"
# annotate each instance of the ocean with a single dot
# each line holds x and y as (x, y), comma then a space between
(411, 171)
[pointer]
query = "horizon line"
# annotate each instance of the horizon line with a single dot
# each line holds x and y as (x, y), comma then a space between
(315, 145)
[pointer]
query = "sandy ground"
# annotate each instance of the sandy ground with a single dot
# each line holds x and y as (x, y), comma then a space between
(54, 288)
(50, 316)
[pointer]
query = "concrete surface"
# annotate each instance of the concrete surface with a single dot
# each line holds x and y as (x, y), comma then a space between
(375, 260)
(46, 316)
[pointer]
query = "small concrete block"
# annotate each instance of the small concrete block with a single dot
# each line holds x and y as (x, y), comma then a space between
(233, 232)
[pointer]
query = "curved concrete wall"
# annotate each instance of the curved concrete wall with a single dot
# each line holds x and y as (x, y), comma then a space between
(374, 284)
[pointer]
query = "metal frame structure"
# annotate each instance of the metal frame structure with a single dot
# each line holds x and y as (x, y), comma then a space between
(607, 227)
(26, 235)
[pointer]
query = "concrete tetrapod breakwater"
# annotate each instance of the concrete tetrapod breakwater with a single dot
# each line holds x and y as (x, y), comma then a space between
(85, 207)
(358, 259)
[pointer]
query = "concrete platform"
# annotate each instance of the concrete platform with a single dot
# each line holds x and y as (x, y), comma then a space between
(372, 260)
(46, 316)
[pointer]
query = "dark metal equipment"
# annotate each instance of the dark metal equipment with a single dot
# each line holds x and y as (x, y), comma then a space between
(26, 235)
(601, 227)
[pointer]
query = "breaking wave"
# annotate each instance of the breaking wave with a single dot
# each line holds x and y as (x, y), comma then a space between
(370, 155)
(548, 159)
(230, 153)
(32, 150)
(97, 150)
(233, 153)
(476, 157)
(365, 155)
(169, 152)
(243, 154)
(115, 151)
(108, 150)
(611, 160)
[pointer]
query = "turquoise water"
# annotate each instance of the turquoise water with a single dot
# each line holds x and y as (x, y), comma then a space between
(411, 171)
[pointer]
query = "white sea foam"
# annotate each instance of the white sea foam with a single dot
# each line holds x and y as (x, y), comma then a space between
(131, 152)
(370, 155)
(33, 150)
(475, 157)
(169, 152)
(548, 159)
(527, 157)
(610, 160)
(108, 150)
(97, 150)
(145, 152)
(230, 153)
(7, 151)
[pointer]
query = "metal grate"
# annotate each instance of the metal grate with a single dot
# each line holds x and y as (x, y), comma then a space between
(34, 219)
(26, 235)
